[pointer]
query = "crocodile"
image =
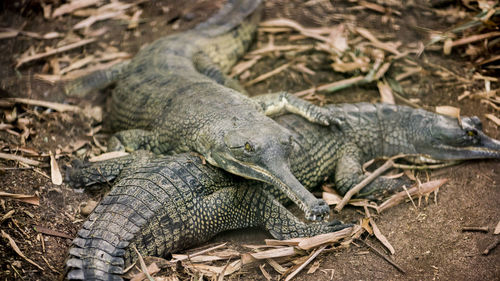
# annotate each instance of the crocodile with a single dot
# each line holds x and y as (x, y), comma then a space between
(162, 205)
(174, 96)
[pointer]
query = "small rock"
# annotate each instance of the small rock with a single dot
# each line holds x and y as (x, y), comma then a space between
(88, 207)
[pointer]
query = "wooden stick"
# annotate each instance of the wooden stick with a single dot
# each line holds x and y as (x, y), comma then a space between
(491, 246)
(387, 165)
(309, 260)
(475, 228)
(55, 51)
(52, 105)
(399, 268)
(18, 251)
(200, 252)
(144, 268)
(20, 159)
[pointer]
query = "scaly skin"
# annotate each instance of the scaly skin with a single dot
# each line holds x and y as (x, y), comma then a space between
(174, 97)
(166, 204)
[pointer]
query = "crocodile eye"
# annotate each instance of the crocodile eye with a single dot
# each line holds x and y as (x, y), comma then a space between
(248, 147)
(471, 133)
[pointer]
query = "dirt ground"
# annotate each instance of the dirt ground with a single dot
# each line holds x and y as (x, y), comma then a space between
(428, 240)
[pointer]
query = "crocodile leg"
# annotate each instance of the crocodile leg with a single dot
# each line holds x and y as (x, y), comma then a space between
(90, 173)
(279, 103)
(349, 173)
(249, 206)
(205, 66)
(96, 80)
(133, 140)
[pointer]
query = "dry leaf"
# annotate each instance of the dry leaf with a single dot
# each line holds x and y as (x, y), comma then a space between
(95, 18)
(331, 199)
(108, 155)
(361, 63)
(30, 199)
(280, 269)
(449, 111)
(493, 118)
(134, 21)
(72, 6)
(268, 74)
(399, 197)
(200, 258)
(289, 242)
(313, 242)
(27, 58)
(52, 232)
(7, 215)
(151, 269)
(448, 44)
(8, 34)
(381, 237)
(264, 272)
(391, 48)
(55, 173)
(302, 266)
(314, 267)
(18, 251)
(77, 64)
(385, 91)
(202, 252)
(365, 223)
(274, 253)
(20, 159)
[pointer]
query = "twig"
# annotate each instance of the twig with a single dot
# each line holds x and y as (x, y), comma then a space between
(51, 232)
(18, 251)
(334, 86)
(52, 105)
(474, 38)
(387, 165)
(143, 264)
(475, 228)
(30, 199)
(268, 74)
(309, 260)
(409, 195)
(491, 246)
(378, 234)
(19, 158)
(389, 260)
(54, 51)
(426, 167)
(200, 252)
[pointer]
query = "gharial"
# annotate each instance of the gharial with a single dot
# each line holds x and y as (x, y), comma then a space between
(162, 205)
(174, 96)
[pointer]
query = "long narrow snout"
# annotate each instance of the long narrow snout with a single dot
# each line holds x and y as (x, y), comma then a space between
(486, 148)
(279, 175)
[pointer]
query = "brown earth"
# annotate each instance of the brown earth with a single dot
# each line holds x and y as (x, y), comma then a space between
(429, 241)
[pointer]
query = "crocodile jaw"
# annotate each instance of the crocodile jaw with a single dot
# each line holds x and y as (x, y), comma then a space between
(487, 148)
(278, 174)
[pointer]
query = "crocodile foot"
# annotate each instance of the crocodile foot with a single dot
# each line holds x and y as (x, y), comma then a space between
(336, 225)
(319, 211)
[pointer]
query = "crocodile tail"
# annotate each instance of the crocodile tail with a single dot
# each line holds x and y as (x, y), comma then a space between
(229, 32)
(96, 80)
(98, 250)
(147, 210)
(231, 15)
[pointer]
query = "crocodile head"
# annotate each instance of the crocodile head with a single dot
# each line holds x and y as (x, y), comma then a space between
(444, 138)
(262, 153)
